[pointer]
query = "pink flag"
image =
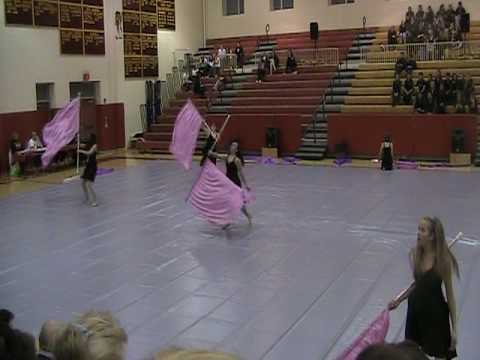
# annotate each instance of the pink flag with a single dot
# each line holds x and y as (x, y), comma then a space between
(185, 133)
(61, 130)
(215, 196)
(374, 334)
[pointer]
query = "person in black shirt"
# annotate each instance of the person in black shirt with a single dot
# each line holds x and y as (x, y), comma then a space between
(396, 90)
(90, 171)
(460, 85)
(421, 89)
(420, 15)
(431, 94)
(240, 55)
(411, 64)
(441, 99)
(448, 89)
(410, 14)
(291, 62)
(450, 16)
(408, 90)
(402, 32)
(469, 95)
(429, 16)
(392, 36)
(401, 64)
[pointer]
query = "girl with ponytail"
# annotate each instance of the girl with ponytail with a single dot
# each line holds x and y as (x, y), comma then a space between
(432, 319)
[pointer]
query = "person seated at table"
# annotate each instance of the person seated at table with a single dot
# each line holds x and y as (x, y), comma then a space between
(15, 147)
(34, 143)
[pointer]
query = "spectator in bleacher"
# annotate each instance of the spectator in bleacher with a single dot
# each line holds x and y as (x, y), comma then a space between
(460, 9)
(420, 15)
(450, 16)
(429, 16)
(421, 90)
(441, 11)
(469, 95)
(441, 99)
(240, 55)
(198, 87)
(396, 90)
(448, 88)
(460, 94)
(262, 69)
(401, 64)
(408, 90)
(222, 52)
(409, 15)
(49, 333)
(392, 36)
(291, 66)
(15, 147)
(274, 62)
(402, 33)
(431, 94)
(411, 64)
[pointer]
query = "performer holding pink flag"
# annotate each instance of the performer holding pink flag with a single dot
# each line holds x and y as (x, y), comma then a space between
(90, 171)
(431, 320)
(234, 162)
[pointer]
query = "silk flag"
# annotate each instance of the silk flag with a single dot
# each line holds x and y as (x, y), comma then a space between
(374, 334)
(215, 196)
(185, 133)
(61, 130)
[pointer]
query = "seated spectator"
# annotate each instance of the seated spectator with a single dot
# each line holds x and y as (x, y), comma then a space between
(469, 95)
(262, 70)
(222, 52)
(448, 89)
(240, 55)
(14, 344)
(421, 90)
(291, 63)
(184, 354)
(396, 90)
(392, 36)
(411, 64)
(274, 62)
(401, 64)
(402, 33)
(49, 333)
(92, 336)
(460, 85)
(198, 87)
(34, 143)
(408, 90)
(406, 350)
(217, 90)
(441, 99)
(431, 94)
(429, 16)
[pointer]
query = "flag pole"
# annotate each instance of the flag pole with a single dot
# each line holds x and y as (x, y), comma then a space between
(220, 133)
(405, 291)
(77, 170)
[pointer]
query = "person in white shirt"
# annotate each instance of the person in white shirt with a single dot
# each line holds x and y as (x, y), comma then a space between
(34, 143)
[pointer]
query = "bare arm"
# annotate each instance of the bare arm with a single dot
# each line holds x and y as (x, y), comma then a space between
(217, 155)
(89, 152)
(405, 294)
(238, 163)
(452, 305)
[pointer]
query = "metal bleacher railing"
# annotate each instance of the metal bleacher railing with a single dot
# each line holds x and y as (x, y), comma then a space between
(438, 51)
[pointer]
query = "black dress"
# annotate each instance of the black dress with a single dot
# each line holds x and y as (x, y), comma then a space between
(232, 172)
(387, 160)
(208, 146)
(90, 171)
(428, 316)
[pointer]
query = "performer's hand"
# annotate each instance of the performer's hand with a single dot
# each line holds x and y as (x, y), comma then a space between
(392, 305)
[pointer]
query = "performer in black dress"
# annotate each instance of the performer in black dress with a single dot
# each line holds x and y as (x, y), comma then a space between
(431, 320)
(90, 171)
(386, 154)
(212, 137)
(234, 163)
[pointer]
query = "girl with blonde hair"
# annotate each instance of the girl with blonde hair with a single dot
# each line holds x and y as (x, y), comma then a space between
(432, 320)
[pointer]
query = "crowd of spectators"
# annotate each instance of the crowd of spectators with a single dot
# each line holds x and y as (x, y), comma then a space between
(446, 24)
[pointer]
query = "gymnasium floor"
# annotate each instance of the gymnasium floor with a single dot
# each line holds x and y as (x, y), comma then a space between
(327, 251)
